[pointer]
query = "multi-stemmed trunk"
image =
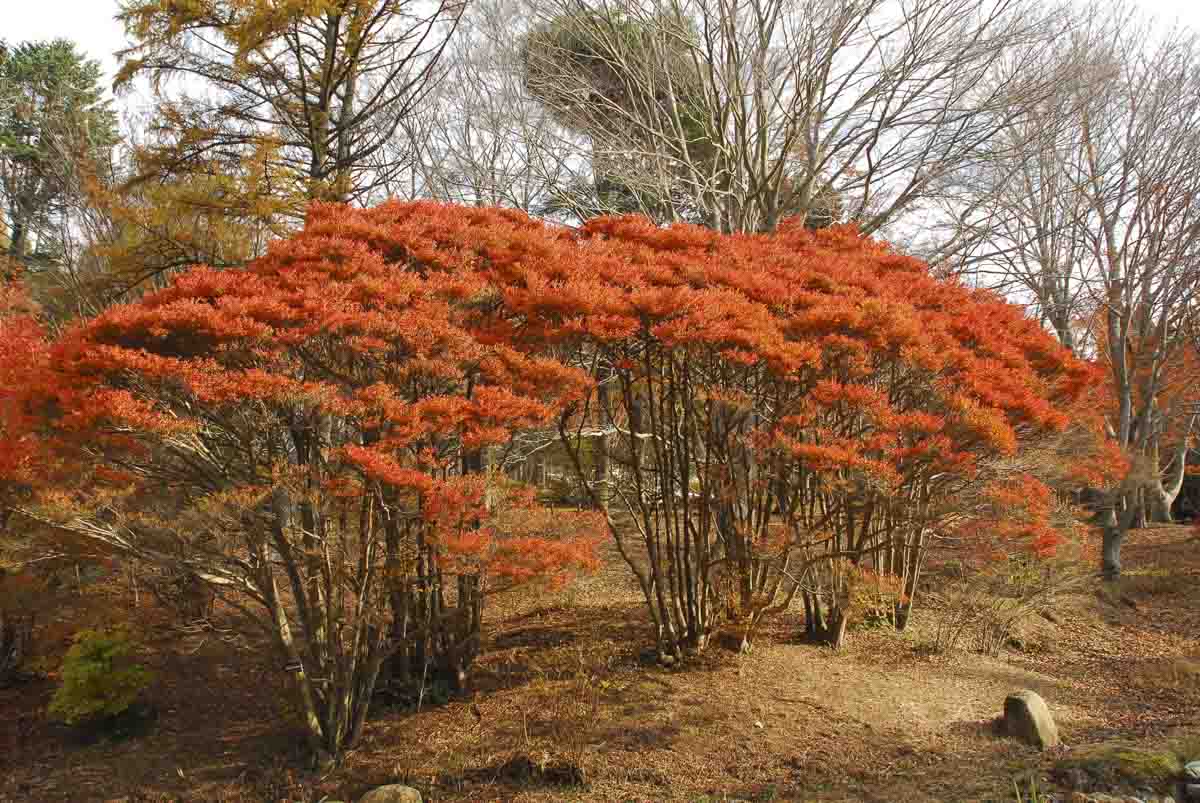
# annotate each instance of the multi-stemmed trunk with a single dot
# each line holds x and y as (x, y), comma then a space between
(436, 631)
(684, 501)
(333, 670)
(825, 618)
(905, 561)
(1165, 488)
(435, 639)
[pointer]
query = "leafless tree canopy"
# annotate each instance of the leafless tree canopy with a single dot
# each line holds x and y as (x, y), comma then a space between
(479, 138)
(737, 114)
(1088, 206)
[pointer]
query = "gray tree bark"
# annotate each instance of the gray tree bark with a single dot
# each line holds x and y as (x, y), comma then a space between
(1165, 490)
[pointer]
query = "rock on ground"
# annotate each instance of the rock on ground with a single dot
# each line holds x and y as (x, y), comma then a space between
(1027, 717)
(392, 793)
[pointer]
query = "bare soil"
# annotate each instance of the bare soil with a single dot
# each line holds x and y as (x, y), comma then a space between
(568, 704)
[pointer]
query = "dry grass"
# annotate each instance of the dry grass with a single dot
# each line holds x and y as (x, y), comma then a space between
(569, 705)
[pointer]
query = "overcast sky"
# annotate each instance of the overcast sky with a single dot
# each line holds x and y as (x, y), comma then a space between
(91, 25)
(90, 22)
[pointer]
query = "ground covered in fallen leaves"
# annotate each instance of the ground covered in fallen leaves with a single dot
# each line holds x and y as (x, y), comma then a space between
(569, 705)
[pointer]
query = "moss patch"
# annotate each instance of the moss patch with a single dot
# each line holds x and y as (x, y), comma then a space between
(1115, 763)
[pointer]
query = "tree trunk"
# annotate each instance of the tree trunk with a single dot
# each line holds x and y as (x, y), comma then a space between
(603, 469)
(16, 632)
(911, 553)
(315, 729)
(1160, 505)
(1165, 490)
(824, 624)
(1139, 509)
(1115, 524)
(1111, 552)
(435, 642)
(16, 243)
(836, 636)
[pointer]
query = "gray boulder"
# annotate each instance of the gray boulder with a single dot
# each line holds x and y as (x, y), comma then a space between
(1026, 717)
(392, 793)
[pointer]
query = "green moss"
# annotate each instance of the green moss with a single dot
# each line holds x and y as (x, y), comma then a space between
(1123, 763)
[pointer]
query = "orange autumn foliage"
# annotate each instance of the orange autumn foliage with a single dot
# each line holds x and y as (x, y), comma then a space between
(783, 412)
(323, 326)
(22, 344)
(826, 360)
(310, 434)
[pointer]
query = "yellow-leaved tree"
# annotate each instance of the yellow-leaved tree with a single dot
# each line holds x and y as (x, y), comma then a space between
(260, 106)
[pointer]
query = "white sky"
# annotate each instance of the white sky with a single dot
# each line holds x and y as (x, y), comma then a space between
(90, 23)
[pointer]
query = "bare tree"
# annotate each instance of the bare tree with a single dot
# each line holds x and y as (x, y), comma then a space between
(481, 139)
(1008, 222)
(736, 113)
(1090, 208)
